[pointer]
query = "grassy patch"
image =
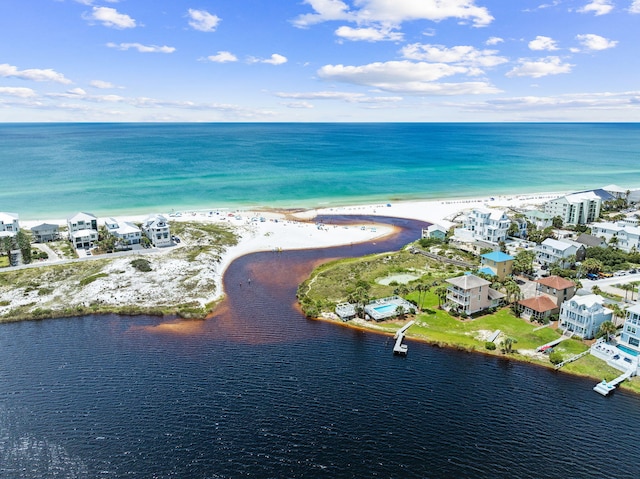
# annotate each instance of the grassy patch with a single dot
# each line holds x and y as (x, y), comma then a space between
(141, 264)
(91, 279)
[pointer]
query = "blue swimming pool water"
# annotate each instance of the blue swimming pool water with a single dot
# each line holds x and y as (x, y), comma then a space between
(385, 308)
(627, 350)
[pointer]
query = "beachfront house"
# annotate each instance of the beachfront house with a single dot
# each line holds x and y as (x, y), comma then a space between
(539, 219)
(551, 292)
(497, 264)
(9, 225)
(619, 234)
(470, 294)
(591, 241)
(583, 315)
(558, 251)
(630, 336)
(484, 224)
(435, 231)
(82, 230)
(557, 288)
(539, 308)
(575, 209)
(125, 232)
(156, 228)
(45, 232)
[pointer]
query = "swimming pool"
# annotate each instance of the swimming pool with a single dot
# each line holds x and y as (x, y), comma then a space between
(627, 350)
(386, 308)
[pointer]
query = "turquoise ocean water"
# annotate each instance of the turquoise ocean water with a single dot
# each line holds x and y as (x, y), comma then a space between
(54, 170)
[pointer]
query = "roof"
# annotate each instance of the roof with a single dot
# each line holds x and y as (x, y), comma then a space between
(588, 300)
(495, 294)
(436, 227)
(8, 217)
(45, 226)
(497, 256)
(468, 281)
(540, 304)
(634, 309)
(589, 240)
(557, 244)
(488, 271)
(538, 214)
(556, 282)
(82, 216)
(614, 188)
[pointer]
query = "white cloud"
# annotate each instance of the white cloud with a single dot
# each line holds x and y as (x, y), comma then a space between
(494, 41)
(274, 59)
(326, 10)
(605, 101)
(222, 57)
(405, 76)
(368, 34)
(299, 105)
(101, 84)
(598, 7)
(34, 74)
(540, 68)
(543, 43)
(203, 21)
(348, 97)
(142, 48)
(634, 7)
(394, 12)
(19, 92)
(461, 55)
(110, 17)
(593, 42)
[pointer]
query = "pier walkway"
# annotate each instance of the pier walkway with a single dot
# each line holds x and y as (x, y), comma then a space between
(398, 347)
(605, 387)
(553, 343)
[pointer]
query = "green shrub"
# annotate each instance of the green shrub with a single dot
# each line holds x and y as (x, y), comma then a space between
(555, 357)
(91, 279)
(141, 264)
(491, 346)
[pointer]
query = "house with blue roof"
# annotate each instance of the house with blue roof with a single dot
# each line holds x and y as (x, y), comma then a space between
(497, 264)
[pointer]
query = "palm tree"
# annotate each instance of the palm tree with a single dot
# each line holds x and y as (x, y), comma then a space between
(607, 330)
(513, 291)
(618, 312)
(441, 293)
(421, 289)
(626, 288)
(400, 311)
(507, 344)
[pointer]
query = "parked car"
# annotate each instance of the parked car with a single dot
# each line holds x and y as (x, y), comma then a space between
(592, 276)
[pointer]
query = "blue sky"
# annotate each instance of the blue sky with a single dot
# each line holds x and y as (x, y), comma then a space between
(319, 60)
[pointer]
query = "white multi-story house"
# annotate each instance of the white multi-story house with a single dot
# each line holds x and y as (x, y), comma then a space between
(630, 335)
(539, 219)
(583, 315)
(82, 229)
(156, 228)
(557, 251)
(127, 233)
(484, 224)
(620, 234)
(9, 225)
(575, 209)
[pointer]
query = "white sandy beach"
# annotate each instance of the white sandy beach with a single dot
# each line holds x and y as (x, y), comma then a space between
(175, 280)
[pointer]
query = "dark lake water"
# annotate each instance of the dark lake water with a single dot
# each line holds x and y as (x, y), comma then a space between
(259, 391)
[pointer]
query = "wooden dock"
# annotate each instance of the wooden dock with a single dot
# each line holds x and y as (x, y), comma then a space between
(605, 387)
(398, 347)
